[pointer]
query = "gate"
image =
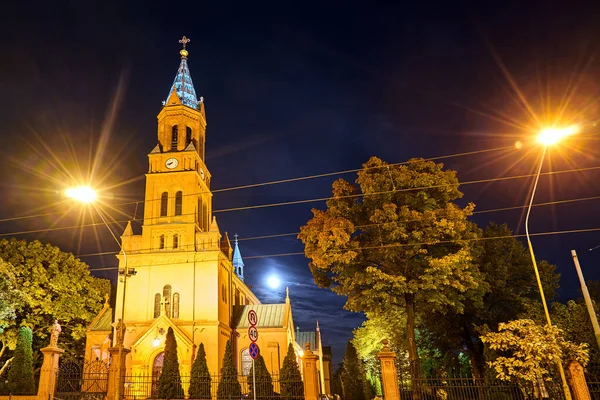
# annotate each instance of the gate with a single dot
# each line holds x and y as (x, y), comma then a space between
(79, 380)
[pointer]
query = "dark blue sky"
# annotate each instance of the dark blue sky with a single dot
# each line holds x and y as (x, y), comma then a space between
(299, 90)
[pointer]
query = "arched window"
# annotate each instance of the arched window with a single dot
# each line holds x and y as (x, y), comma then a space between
(176, 305)
(246, 362)
(188, 135)
(175, 241)
(157, 305)
(164, 202)
(167, 299)
(161, 242)
(174, 137)
(178, 201)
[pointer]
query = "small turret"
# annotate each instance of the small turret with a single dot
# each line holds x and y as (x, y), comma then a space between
(238, 263)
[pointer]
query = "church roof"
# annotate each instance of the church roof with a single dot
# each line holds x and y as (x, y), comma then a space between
(183, 85)
(307, 337)
(269, 315)
(103, 320)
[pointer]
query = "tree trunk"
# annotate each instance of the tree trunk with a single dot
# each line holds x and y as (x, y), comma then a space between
(413, 355)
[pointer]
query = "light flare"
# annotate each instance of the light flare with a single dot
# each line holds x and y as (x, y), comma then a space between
(83, 194)
(553, 135)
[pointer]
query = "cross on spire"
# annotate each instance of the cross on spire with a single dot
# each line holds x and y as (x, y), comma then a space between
(184, 41)
(236, 237)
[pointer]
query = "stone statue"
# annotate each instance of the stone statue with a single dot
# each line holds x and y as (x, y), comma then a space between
(119, 331)
(54, 332)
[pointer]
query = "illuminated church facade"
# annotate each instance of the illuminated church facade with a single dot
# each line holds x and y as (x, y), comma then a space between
(188, 276)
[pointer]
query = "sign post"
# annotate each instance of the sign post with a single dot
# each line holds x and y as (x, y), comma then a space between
(253, 349)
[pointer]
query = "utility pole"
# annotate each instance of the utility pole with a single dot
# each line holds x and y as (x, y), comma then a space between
(586, 296)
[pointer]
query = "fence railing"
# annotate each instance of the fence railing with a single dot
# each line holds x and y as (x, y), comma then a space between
(147, 386)
(477, 389)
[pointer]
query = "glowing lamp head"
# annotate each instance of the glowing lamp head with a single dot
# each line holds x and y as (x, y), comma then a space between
(551, 136)
(156, 342)
(301, 353)
(83, 194)
(273, 282)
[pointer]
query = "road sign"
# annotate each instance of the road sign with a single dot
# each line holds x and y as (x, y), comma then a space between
(253, 350)
(252, 317)
(253, 334)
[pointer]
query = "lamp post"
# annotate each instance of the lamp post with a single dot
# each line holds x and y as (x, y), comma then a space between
(87, 195)
(547, 137)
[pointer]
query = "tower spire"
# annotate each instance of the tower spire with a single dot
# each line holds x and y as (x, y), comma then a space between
(238, 263)
(183, 85)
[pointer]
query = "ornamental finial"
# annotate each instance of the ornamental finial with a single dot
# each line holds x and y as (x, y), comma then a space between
(184, 41)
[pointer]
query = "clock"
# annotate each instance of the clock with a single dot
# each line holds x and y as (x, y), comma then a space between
(172, 163)
(201, 173)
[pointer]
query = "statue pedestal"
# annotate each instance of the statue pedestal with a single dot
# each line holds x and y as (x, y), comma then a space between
(49, 372)
(116, 373)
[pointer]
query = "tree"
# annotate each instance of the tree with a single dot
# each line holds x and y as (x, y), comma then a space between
(200, 380)
(52, 285)
(396, 240)
(264, 382)
(229, 386)
(509, 291)
(290, 379)
(353, 376)
(574, 320)
(527, 352)
(20, 375)
(169, 383)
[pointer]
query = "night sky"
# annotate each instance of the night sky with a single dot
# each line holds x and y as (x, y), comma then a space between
(293, 91)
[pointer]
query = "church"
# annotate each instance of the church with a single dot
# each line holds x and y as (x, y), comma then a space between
(182, 272)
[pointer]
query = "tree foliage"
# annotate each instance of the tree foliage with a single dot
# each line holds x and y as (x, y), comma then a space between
(395, 240)
(290, 379)
(264, 382)
(200, 379)
(20, 375)
(354, 381)
(509, 291)
(527, 351)
(574, 319)
(229, 386)
(51, 285)
(169, 383)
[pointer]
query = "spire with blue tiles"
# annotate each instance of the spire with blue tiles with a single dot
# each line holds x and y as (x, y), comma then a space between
(238, 263)
(183, 85)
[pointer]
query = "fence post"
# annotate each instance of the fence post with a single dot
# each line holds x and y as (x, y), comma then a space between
(49, 372)
(388, 373)
(577, 381)
(113, 373)
(311, 377)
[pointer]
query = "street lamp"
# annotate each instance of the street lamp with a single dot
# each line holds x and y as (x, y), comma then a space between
(547, 137)
(87, 195)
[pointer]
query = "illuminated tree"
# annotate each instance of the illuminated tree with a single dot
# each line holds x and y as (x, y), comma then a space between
(290, 379)
(51, 285)
(395, 240)
(20, 375)
(527, 352)
(200, 379)
(229, 386)
(169, 383)
(264, 382)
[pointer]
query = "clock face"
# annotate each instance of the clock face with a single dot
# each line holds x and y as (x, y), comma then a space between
(172, 163)
(201, 173)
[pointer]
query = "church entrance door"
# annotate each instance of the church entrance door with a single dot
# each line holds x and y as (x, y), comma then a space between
(157, 367)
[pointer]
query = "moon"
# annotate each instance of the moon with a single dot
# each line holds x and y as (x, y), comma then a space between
(273, 282)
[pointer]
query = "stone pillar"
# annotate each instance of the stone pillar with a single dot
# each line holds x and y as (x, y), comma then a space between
(114, 373)
(577, 381)
(389, 376)
(311, 376)
(49, 372)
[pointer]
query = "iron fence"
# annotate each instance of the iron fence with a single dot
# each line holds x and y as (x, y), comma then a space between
(143, 386)
(476, 389)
